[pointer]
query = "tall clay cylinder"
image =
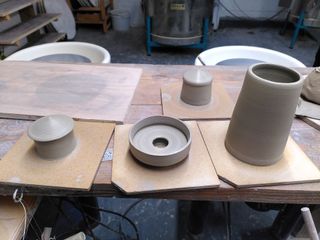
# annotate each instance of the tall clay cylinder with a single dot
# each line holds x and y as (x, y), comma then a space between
(263, 115)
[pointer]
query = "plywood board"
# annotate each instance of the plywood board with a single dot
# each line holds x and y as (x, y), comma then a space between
(12, 6)
(309, 112)
(83, 91)
(22, 166)
(220, 107)
(308, 109)
(12, 217)
(312, 122)
(23, 29)
(294, 167)
(196, 171)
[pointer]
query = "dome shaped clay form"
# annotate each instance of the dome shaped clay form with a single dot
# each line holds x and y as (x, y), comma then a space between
(53, 136)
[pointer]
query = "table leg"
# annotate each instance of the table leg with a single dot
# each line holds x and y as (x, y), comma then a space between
(197, 217)
(227, 214)
(286, 221)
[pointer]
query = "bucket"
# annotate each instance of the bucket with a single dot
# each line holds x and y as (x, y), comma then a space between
(120, 20)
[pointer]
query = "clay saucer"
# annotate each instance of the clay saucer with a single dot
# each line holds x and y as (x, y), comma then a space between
(53, 136)
(160, 141)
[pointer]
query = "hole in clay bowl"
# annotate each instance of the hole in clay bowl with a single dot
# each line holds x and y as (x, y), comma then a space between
(275, 73)
(160, 142)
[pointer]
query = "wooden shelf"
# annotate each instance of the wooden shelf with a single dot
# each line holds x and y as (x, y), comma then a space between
(13, 35)
(50, 37)
(92, 18)
(94, 15)
(12, 6)
(88, 9)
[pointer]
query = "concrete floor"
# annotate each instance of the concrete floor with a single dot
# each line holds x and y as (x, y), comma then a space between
(159, 219)
(129, 47)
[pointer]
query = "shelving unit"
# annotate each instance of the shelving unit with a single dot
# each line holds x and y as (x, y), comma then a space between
(13, 6)
(30, 24)
(93, 15)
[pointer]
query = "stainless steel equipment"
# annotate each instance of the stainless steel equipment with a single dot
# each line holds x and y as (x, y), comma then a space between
(177, 22)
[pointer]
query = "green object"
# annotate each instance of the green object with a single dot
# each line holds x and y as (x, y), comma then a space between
(2, 56)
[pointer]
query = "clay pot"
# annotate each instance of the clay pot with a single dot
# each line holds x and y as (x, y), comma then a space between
(196, 88)
(263, 115)
(53, 136)
(160, 141)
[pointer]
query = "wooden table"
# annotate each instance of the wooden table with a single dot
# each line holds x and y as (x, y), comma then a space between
(147, 102)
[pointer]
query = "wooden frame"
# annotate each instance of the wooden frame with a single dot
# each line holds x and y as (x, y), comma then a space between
(93, 15)
(147, 102)
(30, 24)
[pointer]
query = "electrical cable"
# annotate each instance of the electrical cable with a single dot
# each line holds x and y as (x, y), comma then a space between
(243, 12)
(84, 216)
(132, 206)
(105, 226)
(35, 231)
(18, 199)
(275, 15)
(36, 224)
(76, 205)
(25, 220)
(231, 13)
(117, 214)
(247, 16)
(75, 229)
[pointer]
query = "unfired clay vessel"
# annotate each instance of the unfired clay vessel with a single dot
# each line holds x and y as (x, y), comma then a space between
(263, 115)
(311, 86)
(160, 141)
(196, 87)
(53, 136)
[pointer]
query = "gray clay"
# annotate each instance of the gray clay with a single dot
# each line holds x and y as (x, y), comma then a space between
(263, 115)
(160, 141)
(53, 136)
(196, 87)
(311, 87)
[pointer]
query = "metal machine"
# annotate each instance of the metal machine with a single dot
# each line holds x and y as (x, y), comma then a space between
(177, 23)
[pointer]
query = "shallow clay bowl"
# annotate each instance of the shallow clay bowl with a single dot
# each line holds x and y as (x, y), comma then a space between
(160, 141)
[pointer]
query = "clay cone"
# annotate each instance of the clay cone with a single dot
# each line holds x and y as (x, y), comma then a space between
(263, 115)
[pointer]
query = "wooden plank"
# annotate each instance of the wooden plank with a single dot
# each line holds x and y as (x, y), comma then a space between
(294, 167)
(84, 91)
(147, 102)
(50, 37)
(22, 165)
(12, 6)
(94, 15)
(312, 122)
(5, 18)
(196, 171)
(25, 15)
(14, 34)
(88, 9)
(12, 216)
(220, 106)
(91, 18)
